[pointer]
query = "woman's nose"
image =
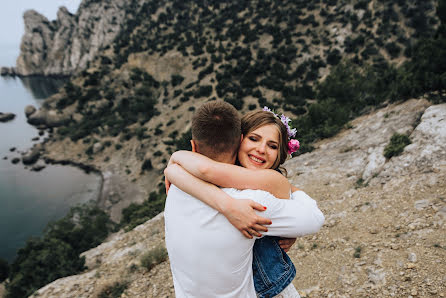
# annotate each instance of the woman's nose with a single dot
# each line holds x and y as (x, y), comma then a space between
(261, 148)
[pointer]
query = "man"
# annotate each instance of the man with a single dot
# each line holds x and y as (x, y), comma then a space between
(209, 257)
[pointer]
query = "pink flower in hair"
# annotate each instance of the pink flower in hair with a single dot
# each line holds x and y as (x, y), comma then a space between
(293, 146)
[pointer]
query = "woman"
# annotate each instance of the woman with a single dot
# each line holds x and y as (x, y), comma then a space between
(265, 146)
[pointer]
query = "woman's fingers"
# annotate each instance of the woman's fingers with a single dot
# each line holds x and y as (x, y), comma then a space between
(257, 206)
(254, 233)
(260, 228)
(167, 184)
(263, 221)
(246, 234)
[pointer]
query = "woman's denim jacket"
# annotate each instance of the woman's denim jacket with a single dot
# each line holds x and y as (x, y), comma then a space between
(272, 268)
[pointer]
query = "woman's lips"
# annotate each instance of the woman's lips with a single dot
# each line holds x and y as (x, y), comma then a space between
(256, 159)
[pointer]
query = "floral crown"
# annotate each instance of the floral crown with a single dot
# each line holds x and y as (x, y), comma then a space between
(293, 144)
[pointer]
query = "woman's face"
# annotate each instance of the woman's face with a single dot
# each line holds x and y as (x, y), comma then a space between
(260, 148)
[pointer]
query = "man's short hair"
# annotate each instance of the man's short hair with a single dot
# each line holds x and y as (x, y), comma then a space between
(216, 128)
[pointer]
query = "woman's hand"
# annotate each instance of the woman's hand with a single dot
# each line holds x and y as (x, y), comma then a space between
(241, 214)
(166, 184)
(286, 243)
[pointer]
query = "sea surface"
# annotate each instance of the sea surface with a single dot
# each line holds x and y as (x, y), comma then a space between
(29, 200)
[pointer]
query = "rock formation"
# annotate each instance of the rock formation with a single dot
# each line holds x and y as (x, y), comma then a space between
(47, 118)
(66, 45)
(385, 219)
(5, 117)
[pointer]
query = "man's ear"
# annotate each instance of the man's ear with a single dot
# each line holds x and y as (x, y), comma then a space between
(241, 139)
(194, 146)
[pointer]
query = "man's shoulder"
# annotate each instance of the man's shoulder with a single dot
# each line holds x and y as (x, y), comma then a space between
(247, 193)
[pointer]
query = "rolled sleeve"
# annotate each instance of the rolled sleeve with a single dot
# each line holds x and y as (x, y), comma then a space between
(292, 218)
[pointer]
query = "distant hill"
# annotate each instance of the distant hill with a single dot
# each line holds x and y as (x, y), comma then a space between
(129, 102)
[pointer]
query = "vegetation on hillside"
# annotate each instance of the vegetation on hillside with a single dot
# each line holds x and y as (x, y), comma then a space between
(57, 253)
(273, 53)
(323, 61)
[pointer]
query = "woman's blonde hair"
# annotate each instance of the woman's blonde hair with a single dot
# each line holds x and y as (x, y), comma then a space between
(255, 119)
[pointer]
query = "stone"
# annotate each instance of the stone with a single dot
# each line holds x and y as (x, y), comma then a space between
(47, 118)
(31, 156)
(40, 165)
(29, 110)
(5, 117)
(412, 257)
(421, 204)
(15, 160)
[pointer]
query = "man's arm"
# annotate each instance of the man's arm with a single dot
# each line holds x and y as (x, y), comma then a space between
(291, 218)
(240, 213)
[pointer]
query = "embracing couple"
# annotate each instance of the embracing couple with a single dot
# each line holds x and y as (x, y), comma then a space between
(218, 244)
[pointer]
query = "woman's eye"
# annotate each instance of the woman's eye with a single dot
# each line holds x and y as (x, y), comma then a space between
(273, 147)
(253, 139)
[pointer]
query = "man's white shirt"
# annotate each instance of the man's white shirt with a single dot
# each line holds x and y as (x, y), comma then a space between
(209, 257)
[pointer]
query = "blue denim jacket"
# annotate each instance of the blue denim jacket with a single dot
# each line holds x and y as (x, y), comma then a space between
(272, 268)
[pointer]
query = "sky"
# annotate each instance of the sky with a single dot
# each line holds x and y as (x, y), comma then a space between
(11, 16)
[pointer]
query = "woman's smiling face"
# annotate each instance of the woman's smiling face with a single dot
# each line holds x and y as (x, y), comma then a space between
(259, 148)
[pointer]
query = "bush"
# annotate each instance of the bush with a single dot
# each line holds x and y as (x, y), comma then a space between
(147, 165)
(56, 253)
(183, 142)
(4, 270)
(203, 91)
(154, 257)
(136, 214)
(396, 145)
(176, 80)
(113, 291)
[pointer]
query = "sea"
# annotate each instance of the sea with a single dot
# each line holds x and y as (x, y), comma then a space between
(30, 200)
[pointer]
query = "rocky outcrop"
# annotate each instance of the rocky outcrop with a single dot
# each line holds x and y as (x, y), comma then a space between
(29, 109)
(5, 117)
(385, 219)
(47, 118)
(66, 45)
(32, 155)
(8, 71)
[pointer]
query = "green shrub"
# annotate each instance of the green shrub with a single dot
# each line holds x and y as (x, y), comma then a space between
(56, 253)
(147, 165)
(136, 214)
(154, 257)
(4, 270)
(176, 80)
(396, 145)
(183, 142)
(113, 291)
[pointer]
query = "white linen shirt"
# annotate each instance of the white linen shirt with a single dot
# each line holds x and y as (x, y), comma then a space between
(209, 257)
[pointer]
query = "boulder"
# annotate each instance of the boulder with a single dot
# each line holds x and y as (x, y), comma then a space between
(5, 117)
(31, 156)
(29, 109)
(8, 71)
(40, 165)
(43, 118)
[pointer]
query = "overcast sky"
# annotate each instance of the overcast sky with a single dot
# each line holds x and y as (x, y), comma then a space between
(11, 16)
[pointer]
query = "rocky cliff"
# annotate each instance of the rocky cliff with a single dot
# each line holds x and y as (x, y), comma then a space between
(385, 218)
(66, 45)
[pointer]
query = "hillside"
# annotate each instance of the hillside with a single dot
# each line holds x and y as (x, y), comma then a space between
(384, 229)
(130, 100)
(139, 69)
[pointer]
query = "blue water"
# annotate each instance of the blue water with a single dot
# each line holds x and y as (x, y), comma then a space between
(29, 200)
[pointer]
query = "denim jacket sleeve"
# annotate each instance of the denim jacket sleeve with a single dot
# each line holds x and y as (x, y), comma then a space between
(272, 269)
